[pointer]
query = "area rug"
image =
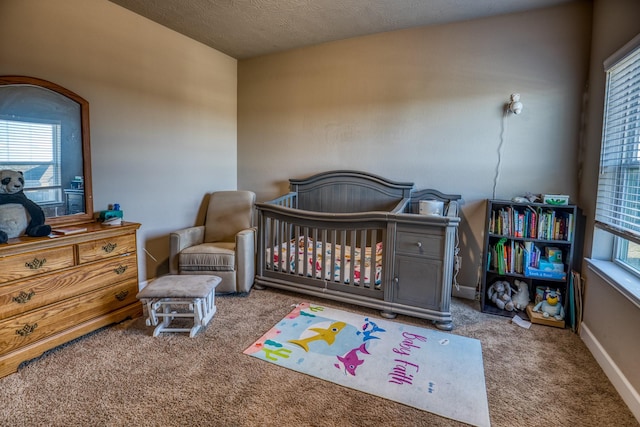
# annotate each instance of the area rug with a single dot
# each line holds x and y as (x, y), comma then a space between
(430, 370)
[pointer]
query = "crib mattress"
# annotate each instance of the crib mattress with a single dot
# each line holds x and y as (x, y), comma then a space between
(304, 254)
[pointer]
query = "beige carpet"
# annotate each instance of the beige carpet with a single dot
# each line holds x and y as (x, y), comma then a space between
(121, 376)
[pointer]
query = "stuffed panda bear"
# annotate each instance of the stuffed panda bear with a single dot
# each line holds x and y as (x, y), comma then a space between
(18, 214)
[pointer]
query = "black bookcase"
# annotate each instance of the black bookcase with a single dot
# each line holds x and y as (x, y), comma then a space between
(517, 234)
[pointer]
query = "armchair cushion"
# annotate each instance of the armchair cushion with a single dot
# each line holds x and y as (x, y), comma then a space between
(228, 213)
(220, 256)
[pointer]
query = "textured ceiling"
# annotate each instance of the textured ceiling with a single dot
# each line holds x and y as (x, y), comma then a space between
(247, 28)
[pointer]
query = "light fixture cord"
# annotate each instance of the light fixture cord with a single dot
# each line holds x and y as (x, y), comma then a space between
(457, 258)
(503, 132)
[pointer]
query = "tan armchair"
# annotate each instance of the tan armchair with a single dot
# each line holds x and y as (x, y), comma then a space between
(224, 246)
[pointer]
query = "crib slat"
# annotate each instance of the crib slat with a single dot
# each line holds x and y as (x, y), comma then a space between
(296, 258)
(305, 253)
(353, 258)
(277, 239)
(343, 261)
(267, 242)
(363, 258)
(284, 240)
(374, 259)
(285, 249)
(273, 241)
(314, 252)
(323, 264)
(332, 276)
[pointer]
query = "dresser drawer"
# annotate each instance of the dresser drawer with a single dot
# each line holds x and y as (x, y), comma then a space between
(20, 331)
(37, 292)
(419, 244)
(108, 247)
(33, 263)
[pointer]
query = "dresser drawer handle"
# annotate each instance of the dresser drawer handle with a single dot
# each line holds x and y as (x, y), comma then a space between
(419, 244)
(122, 295)
(24, 297)
(26, 330)
(35, 264)
(120, 269)
(109, 247)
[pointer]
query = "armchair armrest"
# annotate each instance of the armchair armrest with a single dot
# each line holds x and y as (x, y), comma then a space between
(245, 259)
(180, 240)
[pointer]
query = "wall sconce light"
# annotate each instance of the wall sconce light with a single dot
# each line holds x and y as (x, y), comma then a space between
(515, 106)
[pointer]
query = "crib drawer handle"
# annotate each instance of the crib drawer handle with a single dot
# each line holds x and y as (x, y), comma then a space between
(109, 247)
(26, 330)
(35, 264)
(23, 297)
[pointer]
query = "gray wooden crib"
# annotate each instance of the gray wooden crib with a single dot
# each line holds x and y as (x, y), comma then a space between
(359, 238)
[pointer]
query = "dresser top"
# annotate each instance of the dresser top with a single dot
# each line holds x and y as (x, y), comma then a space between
(95, 230)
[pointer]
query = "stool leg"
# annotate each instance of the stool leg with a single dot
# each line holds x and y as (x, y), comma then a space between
(209, 308)
(166, 319)
(197, 316)
(197, 311)
(152, 306)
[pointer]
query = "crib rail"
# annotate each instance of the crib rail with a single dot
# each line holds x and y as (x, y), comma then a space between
(342, 252)
(289, 200)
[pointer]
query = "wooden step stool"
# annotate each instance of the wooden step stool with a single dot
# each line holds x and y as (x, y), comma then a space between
(195, 294)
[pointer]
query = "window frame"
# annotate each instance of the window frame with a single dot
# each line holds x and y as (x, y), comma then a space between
(626, 164)
(620, 253)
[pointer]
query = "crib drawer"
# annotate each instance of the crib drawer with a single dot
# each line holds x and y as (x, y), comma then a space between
(419, 244)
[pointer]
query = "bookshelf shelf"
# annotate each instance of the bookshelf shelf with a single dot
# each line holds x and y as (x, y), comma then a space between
(535, 243)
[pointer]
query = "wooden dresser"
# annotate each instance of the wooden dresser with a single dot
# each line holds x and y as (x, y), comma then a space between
(55, 289)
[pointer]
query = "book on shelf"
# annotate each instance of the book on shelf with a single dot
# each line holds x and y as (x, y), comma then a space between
(532, 222)
(499, 257)
(69, 230)
(519, 259)
(506, 257)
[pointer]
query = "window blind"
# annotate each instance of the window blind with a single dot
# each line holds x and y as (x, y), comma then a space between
(26, 142)
(618, 201)
(33, 147)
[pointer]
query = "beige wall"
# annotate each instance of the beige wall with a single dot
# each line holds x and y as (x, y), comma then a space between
(611, 320)
(425, 105)
(163, 107)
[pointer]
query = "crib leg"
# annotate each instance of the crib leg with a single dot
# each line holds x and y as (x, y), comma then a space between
(444, 326)
(388, 314)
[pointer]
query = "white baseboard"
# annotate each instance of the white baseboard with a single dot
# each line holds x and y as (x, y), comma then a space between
(617, 378)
